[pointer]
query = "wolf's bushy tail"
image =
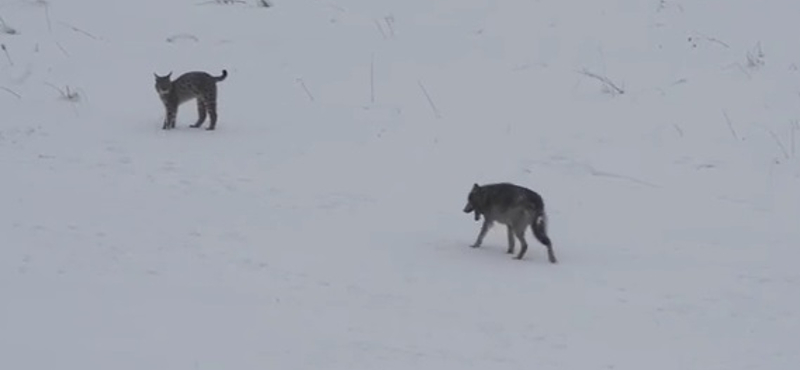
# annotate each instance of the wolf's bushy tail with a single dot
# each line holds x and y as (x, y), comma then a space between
(540, 228)
(222, 77)
(540, 232)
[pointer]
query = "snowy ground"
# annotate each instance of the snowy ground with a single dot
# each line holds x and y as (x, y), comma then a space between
(320, 226)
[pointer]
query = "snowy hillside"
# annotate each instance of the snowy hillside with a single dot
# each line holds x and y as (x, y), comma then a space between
(320, 225)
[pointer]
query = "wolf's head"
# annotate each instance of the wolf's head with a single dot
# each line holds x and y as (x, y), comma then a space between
(474, 201)
(163, 84)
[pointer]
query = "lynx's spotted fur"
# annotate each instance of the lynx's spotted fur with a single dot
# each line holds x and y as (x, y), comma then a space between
(191, 85)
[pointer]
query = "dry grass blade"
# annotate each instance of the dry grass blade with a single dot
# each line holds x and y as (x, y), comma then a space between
(610, 86)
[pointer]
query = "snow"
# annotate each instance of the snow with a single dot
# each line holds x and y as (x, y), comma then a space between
(320, 225)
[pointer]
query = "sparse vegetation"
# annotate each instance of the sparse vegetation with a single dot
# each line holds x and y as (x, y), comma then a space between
(181, 37)
(6, 29)
(66, 93)
(8, 56)
(609, 87)
(755, 57)
(258, 3)
(223, 2)
(435, 110)
(730, 125)
(12, 92)
(794, 126)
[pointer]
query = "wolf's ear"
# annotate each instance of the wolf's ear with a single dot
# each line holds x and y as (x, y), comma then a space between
(475, 186)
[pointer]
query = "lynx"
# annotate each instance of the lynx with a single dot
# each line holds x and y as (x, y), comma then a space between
(191, 85)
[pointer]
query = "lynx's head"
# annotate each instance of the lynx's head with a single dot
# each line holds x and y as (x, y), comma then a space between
(163, 84)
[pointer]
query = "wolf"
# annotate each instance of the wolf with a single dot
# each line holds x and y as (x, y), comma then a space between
(515, 206)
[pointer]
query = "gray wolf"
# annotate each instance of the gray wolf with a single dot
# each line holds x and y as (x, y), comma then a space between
(191, 85)
(516, 207)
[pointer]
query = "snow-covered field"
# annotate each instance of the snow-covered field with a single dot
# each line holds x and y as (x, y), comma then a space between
(320, 225)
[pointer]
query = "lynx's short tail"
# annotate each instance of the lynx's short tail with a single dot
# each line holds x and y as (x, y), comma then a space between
(222, 77)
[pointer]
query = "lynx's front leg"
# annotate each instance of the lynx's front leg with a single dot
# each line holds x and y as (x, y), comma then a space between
(169, 119)
(484, 229)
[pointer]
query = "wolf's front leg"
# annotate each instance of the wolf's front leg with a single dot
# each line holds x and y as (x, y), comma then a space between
(484, 229)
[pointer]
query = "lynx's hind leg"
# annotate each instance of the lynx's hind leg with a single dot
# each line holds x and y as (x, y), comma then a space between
(211, 106)
(201, 113)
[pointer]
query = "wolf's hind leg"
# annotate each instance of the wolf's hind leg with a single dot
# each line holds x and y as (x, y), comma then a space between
(510, 239)
(519, 231)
